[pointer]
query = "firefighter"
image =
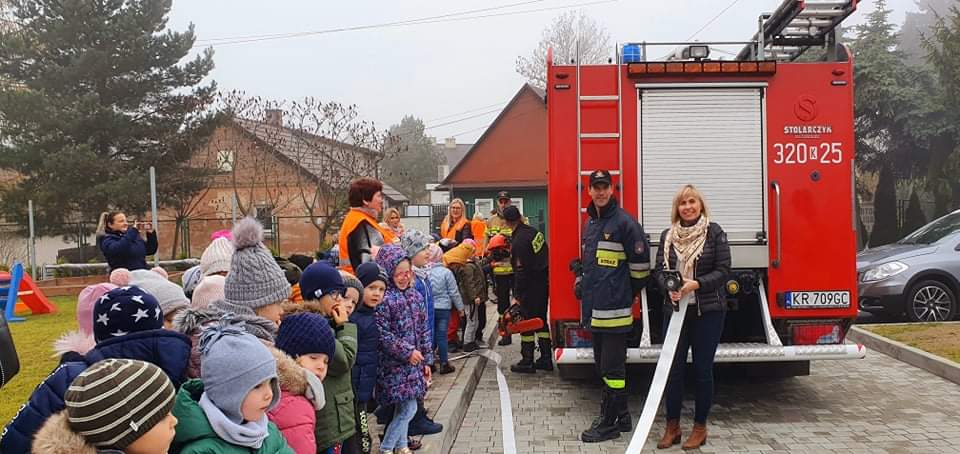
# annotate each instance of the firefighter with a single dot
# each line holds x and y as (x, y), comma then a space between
(499, 263)
(528, 256)
(616, 267)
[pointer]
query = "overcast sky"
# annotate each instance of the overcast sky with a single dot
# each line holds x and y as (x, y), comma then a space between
(435, 70)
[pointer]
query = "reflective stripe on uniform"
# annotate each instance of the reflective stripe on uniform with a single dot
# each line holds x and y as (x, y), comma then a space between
(615, 383)
(503, 269)
(610, 255)
(639, 274)
(612, 313)
(527, 338)
(609, 245)
(612, 322)
(543, 335)
(639, 270)
(612, 318)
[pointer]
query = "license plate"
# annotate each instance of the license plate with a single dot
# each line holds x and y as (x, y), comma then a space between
(817, 300)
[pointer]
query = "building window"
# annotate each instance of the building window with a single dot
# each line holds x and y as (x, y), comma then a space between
(518, 202)
(225, 160)
(484, 206)
(264, 215)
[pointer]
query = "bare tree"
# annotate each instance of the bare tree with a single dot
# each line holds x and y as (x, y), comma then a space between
(13, 247)
(333, 146)
(562, 36)
(248, 157)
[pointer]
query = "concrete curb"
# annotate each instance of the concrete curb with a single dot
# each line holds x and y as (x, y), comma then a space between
(455, 405)
(913, 356)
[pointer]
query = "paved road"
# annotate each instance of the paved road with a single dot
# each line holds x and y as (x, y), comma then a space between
(875, 405)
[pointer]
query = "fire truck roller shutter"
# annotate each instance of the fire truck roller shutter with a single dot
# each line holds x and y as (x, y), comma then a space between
(711, 136)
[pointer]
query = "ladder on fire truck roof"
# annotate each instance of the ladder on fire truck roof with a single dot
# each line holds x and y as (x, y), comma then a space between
(795, 26)
(594, 136)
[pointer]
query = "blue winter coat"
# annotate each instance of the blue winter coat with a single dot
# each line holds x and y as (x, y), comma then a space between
(127, 250)
(167, 349)
(443, 285)
(368, 354)
(426, 292)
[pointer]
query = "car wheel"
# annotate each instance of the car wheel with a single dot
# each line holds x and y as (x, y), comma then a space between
(930, 301)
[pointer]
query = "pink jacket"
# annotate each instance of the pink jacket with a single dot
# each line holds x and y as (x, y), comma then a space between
(294, 415)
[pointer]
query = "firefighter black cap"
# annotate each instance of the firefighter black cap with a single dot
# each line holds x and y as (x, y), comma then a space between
(601, 176)
(511, 213)
(503, 195)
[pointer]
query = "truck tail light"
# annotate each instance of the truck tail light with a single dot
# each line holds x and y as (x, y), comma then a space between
(576, 337)
(816, 333)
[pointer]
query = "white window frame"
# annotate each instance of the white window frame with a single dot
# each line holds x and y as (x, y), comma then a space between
(486, 203)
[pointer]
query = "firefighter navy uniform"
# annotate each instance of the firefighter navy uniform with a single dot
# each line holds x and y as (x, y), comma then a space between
(528, 256)
(616, 267)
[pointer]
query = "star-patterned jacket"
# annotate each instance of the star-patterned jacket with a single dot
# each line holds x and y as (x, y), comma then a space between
(167, 349)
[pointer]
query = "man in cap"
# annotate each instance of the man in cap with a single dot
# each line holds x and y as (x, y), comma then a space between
(500, 265)
(528, 256)
(616, 268)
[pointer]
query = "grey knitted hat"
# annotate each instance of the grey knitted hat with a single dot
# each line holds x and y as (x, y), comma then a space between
(169, 295)
(414, 241)
(233, 363)
(216, 257)
(116, 401)
(255, 280)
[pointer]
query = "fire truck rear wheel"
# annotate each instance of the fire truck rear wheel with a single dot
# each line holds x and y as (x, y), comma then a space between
(930, 301)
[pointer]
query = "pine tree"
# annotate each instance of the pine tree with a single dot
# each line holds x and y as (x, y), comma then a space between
(100, 91)
(914, 218)
(885, 229)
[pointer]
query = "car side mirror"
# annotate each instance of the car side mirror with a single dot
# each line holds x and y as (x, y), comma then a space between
(957, 247)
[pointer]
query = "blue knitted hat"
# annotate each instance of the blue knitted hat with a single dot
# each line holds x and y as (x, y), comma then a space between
(233, 363)
(123, 311)
(305, 333)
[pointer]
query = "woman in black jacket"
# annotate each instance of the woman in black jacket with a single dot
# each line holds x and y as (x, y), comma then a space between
(122, 244)
(698, 249)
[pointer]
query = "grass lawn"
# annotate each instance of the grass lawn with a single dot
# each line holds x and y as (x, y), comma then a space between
(941, 339)
(34, 341)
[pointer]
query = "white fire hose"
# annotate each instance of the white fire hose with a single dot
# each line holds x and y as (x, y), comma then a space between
(655, 394)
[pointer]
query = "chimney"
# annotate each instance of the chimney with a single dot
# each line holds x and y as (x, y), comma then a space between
(450, 142)
(273, 117)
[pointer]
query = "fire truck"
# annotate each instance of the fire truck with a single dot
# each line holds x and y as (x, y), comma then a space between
(766, 135)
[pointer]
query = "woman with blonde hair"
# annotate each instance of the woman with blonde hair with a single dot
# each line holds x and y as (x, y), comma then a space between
(698, 250)
(455, 225)
(391, 221)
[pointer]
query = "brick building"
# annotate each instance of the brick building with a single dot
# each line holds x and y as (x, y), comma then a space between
(273, 172)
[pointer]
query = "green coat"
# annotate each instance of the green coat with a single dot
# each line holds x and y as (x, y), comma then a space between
(337, 420)
(195, 436)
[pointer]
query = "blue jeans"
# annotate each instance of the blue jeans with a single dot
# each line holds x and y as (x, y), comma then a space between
(441, 320)
(702, 334)
(396, 434)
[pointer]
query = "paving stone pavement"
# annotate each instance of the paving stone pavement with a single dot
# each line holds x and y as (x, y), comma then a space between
(874, 405)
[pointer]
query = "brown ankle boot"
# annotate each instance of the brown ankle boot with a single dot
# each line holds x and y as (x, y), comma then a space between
(697, 438)
(671, 435)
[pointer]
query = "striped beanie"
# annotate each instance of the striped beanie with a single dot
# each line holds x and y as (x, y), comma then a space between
(116, 401)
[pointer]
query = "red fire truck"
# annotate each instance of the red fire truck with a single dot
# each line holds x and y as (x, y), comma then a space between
(767, 138)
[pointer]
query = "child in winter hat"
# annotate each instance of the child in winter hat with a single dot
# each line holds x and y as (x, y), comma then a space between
(226, 410)
(353, 292)
(322, 284)
(209, 290)
(364, 374)
(125, 310)
(416, 246)
(190, 279)
(81, 341)
(255, 283)
(309, 340)
(216, 257)
(115, 405)
(169, 295)
(413, 242)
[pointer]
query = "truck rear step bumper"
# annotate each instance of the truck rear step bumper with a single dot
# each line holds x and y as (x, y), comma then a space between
(729, 353)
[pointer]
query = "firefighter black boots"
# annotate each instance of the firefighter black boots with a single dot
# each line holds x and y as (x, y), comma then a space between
(525, 366)
(545, 361)
(606, 428)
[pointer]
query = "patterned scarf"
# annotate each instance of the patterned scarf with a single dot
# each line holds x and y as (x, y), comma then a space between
(688, 243)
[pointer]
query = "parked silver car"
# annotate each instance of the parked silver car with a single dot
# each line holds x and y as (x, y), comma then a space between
(918, 276)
